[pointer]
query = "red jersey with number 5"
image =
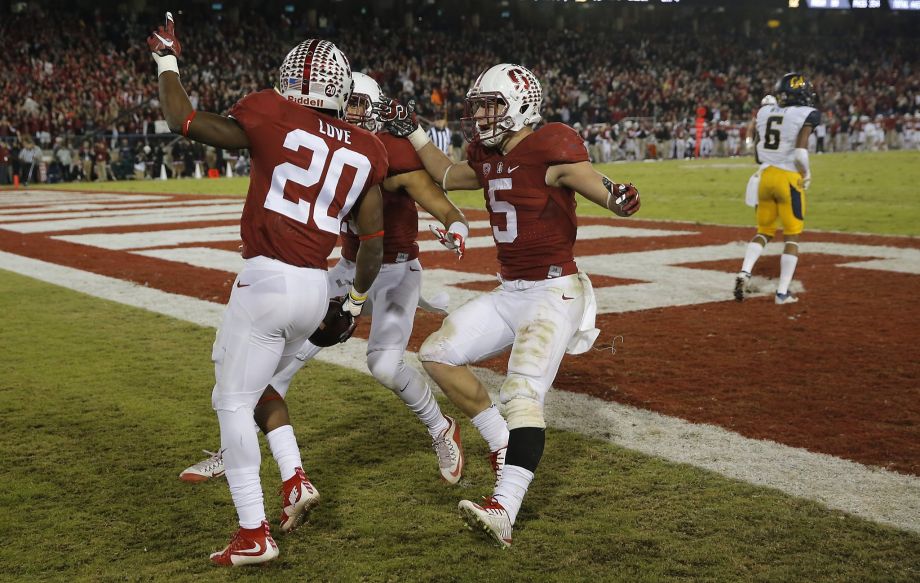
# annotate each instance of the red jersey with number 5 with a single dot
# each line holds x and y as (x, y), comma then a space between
(533, 224)
(308, 171)
(400, 215)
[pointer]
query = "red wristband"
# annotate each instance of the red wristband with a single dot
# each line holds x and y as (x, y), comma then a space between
(188, 122)
(371, 236)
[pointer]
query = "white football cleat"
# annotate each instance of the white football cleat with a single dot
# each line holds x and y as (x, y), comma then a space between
(450, 452)
(742, 284)
(298, 497)
(249, 546)
(497, 462)
(786, 298)
(212, 467)
(492, 519)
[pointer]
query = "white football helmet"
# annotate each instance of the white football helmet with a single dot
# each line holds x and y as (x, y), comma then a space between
(505, 98)
(768, 100)
(316, 74)
(364, 97)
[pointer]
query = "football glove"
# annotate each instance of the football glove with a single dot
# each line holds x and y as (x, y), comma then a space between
(453, 237)
(337, 326)
(163, 41)
(806, 181)
(398, 119)
(165, 47)
(354, 302)
(622, 199)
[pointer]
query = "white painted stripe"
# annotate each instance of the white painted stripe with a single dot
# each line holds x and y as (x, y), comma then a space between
(871, 493)
(37, 197)
(53, 219)
(130, 221)
(230, 261)
(146, 239)
(98, 206)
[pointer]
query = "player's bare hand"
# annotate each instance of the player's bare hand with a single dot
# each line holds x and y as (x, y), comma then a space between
(163, 41)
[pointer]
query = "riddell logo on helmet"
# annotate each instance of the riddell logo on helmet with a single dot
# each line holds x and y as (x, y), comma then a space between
(306, 100)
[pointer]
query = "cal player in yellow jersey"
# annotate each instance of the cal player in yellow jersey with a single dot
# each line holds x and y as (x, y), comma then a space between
(782, 152)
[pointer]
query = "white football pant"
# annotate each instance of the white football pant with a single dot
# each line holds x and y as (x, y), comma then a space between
(537, 319)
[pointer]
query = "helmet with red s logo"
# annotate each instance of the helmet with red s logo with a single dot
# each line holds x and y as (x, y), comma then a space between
(505, 98)
(366, 95)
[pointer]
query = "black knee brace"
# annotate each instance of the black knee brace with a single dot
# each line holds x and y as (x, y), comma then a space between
(525, 447)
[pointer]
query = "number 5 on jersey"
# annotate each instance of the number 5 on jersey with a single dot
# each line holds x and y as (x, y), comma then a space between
(510, 232)
(309, 177)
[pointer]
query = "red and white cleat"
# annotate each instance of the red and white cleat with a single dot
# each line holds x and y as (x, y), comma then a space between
(298, 497)
(212, 467)
(492, 519)
(449, 450)
(249, 546)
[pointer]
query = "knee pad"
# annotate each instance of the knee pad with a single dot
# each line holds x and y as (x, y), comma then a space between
(438, 348)
(521, 411)
(386, 366)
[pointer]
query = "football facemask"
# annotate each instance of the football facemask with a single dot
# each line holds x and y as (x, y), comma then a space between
(361, 106)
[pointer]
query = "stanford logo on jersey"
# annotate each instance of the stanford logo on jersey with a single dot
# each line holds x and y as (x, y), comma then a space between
(521, 83)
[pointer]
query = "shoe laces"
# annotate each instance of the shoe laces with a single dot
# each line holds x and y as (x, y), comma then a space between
(214, 459)
(443, 449)
(297, 480)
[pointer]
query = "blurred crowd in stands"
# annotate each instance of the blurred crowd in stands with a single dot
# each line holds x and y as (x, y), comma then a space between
(80, 99)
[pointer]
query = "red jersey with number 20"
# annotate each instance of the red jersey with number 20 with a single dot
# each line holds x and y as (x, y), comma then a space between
(308, 171)
(400, 215)
(533, 224)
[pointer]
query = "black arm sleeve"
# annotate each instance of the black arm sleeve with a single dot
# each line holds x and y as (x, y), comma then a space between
(813, 119)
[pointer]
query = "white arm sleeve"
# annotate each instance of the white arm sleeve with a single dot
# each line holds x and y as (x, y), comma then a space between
(801, 161)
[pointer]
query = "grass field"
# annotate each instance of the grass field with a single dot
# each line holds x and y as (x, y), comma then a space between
(102, 405)
(853, 192)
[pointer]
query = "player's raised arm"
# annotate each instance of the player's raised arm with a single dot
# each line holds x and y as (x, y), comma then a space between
(369, 223)
(209, 128)
(622, 199)
(400, 120)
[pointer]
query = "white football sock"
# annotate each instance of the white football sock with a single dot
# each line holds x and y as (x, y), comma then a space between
(787, 265)
(389, 368)
(493, 428)
(242, 458)
(284, 447)
(751, 255)
(511, 489)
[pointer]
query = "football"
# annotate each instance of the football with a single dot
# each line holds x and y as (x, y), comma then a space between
(337, 325)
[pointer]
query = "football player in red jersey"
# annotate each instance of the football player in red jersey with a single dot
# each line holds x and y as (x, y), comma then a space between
(391, 299)
(310, 169)
(544, 306)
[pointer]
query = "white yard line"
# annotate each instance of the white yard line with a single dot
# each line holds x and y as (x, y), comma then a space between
(871, 493)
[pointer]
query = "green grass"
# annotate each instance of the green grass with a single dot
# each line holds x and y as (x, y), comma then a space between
(102, 405)
(854, 192)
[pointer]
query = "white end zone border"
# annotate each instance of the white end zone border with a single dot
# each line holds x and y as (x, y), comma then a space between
(871, 493)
